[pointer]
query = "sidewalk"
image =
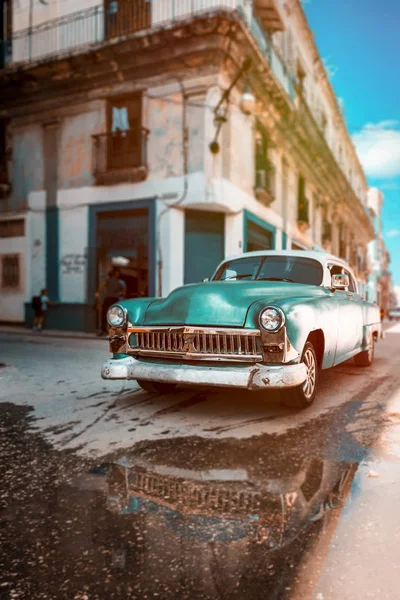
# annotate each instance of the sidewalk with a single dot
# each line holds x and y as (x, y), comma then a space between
(50, 333)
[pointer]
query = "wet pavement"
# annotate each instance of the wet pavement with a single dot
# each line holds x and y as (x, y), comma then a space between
(231, 502)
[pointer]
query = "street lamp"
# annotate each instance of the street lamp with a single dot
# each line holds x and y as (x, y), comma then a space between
(247, 104)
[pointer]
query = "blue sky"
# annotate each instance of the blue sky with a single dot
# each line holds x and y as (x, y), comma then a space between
(359, 40)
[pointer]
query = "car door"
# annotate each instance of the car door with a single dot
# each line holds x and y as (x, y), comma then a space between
(350, 318)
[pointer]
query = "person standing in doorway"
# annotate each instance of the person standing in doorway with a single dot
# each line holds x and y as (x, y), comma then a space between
(112, 290)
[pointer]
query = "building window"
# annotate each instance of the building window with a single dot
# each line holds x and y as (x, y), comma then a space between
(12, 228)
(5, 32)
(123, 17)
(123, 148)
(326, 232)
(10, 271)
(342, 242)
(301, 77)
(265, 172)
(302, 202)
(4, 182)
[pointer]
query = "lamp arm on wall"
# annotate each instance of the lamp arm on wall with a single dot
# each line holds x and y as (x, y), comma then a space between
(221, 108)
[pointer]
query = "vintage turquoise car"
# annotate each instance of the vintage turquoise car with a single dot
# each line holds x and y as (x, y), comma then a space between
(266, 320)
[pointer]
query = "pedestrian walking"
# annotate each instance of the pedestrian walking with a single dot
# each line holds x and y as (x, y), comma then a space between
(109, 292)
(40, 305)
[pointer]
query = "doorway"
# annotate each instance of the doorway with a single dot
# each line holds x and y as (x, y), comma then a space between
(204, 244)
(122, 241)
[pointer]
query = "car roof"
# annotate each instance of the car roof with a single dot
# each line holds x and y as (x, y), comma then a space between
(320, 256)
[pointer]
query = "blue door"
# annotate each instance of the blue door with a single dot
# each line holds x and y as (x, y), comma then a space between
(204, 244)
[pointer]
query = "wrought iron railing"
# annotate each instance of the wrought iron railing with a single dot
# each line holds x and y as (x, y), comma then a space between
(83, 28)
(277, 64)
(56, 36)
(119, 151)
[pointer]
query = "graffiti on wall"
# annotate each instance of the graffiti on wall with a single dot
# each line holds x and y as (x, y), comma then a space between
(73, 264)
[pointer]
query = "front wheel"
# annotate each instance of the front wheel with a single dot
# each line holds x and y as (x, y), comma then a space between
(303, 395)
(366, 358)
(156, 387)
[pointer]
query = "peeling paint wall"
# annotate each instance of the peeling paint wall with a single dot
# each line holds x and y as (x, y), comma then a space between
(163, 117)
(73, 254)
(27, 165)
(76, 146)
(241, 149)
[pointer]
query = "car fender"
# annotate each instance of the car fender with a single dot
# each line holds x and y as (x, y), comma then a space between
(302, 317)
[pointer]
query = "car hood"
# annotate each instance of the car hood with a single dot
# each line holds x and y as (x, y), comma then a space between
(220, 303)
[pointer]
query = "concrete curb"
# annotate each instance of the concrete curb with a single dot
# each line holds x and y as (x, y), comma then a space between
(48, 333)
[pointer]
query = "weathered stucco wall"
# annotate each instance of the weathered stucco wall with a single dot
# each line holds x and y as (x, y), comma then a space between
(76, 148)
(26, 165)
(73, 253)
(164, 118)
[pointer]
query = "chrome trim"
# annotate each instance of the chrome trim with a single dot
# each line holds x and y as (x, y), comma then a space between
(279, 310)
(124, 310)
(251, 377)
(197, 343)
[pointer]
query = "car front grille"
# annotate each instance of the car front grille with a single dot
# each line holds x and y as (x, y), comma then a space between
(195, 495)
(201, 343)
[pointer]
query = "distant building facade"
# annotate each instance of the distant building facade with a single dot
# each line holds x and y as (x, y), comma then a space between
(380, 285)
(107, 113)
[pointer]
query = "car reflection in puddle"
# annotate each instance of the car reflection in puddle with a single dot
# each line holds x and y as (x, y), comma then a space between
(227, 525)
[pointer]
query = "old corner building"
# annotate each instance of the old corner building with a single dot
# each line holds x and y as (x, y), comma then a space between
(107, 113)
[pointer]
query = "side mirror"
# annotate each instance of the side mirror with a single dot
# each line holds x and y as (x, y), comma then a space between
(206, 279)
(340, 281)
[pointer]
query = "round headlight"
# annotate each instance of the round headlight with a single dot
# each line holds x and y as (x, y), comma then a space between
(272, 319)
(116, 316)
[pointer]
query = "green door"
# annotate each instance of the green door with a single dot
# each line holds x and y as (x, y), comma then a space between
(204, 244)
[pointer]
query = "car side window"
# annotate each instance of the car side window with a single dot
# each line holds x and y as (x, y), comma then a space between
(352, 286)
(338, 270)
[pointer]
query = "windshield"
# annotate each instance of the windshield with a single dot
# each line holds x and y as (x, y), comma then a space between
(295, 269)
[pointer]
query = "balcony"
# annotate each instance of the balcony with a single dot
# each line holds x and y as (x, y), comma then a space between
(265, 184)
(269, 15)
(53, 39)
(120, 156)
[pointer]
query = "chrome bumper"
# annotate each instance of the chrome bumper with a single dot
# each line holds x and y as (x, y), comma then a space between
(250, 377)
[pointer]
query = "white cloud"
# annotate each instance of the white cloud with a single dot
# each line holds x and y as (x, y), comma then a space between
(378, 146)
(393, 233)
(330, 68)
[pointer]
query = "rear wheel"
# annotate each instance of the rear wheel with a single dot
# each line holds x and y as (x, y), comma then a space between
(156, 387)
(366, 358)
(303, 395)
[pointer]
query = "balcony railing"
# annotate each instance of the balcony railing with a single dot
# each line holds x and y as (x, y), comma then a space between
(277, 64)
(54, 37)
(120, 156)
(81, 29)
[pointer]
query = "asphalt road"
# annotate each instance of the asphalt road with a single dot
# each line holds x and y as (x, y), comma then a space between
(109, 492)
